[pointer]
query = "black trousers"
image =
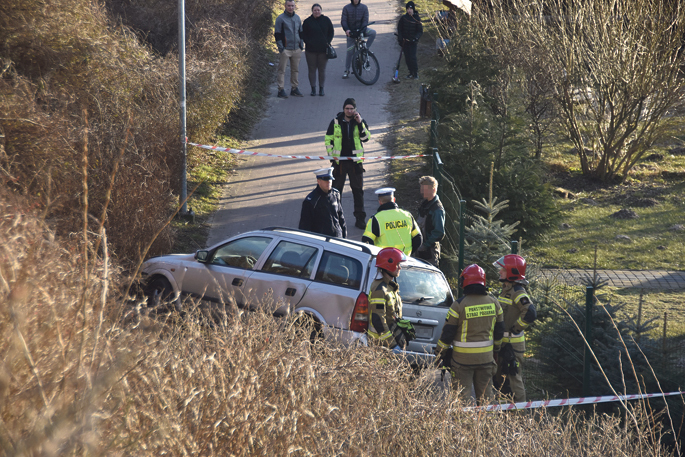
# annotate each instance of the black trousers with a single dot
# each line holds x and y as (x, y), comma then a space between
(355, 171)
(316, 61)
(410, 57)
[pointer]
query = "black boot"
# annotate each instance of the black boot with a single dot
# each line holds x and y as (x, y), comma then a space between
(321, 91)
(313, 91)
(360, 224)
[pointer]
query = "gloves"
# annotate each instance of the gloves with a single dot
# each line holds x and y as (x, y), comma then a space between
(510, 365)
(495, 355)
(423, 252)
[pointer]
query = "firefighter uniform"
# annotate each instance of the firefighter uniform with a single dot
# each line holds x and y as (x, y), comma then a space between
(385, 307)
(393, 227)
(519, 313)
(473, 327)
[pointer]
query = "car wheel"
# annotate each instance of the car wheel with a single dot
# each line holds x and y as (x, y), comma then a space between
(308, 327)
(160, 294)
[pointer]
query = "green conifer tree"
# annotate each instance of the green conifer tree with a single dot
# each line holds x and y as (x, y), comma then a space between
(487, 238)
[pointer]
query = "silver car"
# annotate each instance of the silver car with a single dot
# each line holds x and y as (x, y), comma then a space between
(293, 271)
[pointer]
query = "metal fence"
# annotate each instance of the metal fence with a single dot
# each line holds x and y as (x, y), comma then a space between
(572, 362)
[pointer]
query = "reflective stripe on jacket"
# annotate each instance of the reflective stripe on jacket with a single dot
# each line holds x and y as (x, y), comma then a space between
(334, 140)
(470, 326)
(396, 229)
(516, 304)
(385, 307)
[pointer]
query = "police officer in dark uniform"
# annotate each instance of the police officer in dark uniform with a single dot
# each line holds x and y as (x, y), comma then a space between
(322, 210)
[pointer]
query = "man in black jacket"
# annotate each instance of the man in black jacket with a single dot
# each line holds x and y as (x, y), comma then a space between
(409, 30)
(322, 210)
(344, 139)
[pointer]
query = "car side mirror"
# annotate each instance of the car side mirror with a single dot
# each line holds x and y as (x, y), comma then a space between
(202, 256)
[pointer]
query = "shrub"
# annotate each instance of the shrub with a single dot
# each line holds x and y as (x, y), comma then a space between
(90, 113)
(482, 122)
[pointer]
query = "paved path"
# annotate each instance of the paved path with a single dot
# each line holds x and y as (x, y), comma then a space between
(624, 279)
(267, 191)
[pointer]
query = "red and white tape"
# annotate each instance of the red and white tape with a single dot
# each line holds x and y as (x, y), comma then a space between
(263, 154)
(567, 402)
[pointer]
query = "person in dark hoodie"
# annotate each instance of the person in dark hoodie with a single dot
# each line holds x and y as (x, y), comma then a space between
(343, 140)
(355, 17)
(409, 30)
(317, 32)
(322, 209)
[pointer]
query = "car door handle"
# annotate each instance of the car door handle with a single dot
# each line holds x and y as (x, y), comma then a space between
(290, 291)
(414, 320)
(237, 282)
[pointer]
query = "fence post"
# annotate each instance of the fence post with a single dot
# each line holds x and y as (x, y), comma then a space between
(434, 133)
(462, 205)
(437, 168)
(514, 247)
(587, 359)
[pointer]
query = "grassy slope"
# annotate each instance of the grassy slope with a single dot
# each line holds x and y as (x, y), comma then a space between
(653, 245)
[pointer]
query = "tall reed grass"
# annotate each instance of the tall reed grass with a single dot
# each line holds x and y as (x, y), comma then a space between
(74, 73)
(84, 371)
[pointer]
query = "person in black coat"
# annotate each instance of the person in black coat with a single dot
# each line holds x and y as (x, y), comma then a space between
(317, 32)
(322, 209)
(409, 30)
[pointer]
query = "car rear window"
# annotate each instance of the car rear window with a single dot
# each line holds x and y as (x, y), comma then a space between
(340, 270)
(241, 253)
(291, 259)
(424, 287)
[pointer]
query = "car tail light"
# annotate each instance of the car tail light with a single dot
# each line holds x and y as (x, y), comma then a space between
(360, 315)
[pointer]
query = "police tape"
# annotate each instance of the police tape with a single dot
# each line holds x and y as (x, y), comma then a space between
(264, 154)
(567, 402)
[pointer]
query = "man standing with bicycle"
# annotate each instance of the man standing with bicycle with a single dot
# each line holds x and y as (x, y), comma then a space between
(354, 20)
(344, 138)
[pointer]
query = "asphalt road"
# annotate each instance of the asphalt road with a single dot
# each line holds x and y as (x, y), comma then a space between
(267, 191)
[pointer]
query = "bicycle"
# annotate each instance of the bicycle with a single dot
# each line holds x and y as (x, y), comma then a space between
(364, 63)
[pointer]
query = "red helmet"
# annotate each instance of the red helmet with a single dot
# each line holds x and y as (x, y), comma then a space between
(473, 274)
(389, 259)
(512, 268)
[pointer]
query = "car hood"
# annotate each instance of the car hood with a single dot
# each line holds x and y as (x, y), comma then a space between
(173, 259)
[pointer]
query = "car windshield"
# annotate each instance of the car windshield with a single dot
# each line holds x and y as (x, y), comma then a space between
(424, 287)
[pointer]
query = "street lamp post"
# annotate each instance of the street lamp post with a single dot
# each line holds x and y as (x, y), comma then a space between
(182, 91)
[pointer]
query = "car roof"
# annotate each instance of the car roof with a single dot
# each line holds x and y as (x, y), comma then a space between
(343, 243)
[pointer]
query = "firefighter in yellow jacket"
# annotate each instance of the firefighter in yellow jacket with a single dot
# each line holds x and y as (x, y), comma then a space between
(519, 313)
(392, 226)
(474, 328)
(385, 303)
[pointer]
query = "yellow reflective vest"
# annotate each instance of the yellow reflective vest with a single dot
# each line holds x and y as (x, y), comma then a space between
(334, 141)
(396, 227)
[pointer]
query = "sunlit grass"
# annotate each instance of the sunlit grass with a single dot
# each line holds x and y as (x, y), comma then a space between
(652, 244)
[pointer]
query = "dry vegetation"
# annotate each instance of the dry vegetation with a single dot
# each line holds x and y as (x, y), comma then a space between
(83, 373)
(90, 109)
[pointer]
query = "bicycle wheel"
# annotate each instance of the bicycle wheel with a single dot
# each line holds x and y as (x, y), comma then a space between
(365, 66)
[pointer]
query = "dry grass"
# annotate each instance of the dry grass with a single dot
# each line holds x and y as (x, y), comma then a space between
(82, 372)
(74, 79)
